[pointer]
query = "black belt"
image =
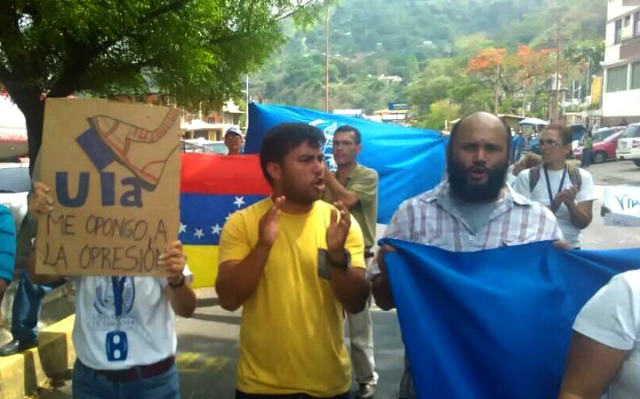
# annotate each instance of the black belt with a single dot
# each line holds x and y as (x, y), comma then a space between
(131, 374)
(368, 254)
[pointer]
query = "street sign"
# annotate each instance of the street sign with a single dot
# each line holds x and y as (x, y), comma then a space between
(399, 106)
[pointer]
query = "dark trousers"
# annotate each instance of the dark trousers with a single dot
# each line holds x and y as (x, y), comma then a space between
(242, 395)
(27, 305)
(586, 158)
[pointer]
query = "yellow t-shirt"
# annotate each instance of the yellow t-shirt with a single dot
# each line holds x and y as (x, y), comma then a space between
(291, 335)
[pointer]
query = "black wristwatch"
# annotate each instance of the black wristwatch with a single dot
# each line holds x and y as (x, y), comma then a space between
(342, 266)
(179, 284)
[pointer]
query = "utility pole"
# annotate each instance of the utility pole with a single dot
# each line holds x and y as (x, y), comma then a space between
(497, 100)
(246, 120)
(556, 109)
(524, 96)
(326, 59)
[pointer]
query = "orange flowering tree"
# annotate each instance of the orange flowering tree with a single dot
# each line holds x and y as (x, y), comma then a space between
(512, 75)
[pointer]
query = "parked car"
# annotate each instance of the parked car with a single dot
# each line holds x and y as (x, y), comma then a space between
(577, 131)
(602, 133)
(629, 144)
(202, 145)
(15, 184)
(605, 142)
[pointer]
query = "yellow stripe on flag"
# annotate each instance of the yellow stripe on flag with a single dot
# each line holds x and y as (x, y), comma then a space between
(203, 262)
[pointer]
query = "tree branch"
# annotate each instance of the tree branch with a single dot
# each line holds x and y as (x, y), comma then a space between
(83, 55)
(171, 7)
(295, 10)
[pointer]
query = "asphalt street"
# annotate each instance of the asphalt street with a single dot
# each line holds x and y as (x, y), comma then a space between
(208, 344)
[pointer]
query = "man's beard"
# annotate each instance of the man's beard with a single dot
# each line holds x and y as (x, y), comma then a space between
(298, 195)
(487, 192)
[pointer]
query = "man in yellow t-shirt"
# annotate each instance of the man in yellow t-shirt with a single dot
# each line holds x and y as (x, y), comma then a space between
(295, 264)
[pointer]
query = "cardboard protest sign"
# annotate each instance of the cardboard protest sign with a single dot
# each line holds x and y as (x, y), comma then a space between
(623, 206)
(114, 173)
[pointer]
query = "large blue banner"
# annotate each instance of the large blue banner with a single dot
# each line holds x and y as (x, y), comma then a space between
(409, 161)
(494, 324)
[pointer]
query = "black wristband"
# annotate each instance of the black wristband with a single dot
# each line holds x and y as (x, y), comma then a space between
(341, 266)
(179, 284)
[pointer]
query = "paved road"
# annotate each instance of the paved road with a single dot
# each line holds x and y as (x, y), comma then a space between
(208, 346)
(597, 235)
(616, 173)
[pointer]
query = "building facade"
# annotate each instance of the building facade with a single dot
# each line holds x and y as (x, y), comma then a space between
(621, 94)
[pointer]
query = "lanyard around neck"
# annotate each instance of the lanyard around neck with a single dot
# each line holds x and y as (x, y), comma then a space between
(546, 175)
(118, 289)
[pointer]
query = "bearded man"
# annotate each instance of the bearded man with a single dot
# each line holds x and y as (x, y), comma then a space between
(472, 210)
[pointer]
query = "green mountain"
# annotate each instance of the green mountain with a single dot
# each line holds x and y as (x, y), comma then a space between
(373, 39)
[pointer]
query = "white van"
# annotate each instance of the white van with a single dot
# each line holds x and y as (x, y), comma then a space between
(629, 144)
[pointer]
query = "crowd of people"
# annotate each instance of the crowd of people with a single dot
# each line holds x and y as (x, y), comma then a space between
(301, 264)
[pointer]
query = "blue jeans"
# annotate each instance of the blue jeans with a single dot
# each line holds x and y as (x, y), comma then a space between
(586, 158)
(86, 383)
(27, 305)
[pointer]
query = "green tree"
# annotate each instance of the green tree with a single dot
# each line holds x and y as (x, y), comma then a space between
(440, 112)
(192, 50)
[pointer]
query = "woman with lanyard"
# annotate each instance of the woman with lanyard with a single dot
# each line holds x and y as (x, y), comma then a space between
(565, 189)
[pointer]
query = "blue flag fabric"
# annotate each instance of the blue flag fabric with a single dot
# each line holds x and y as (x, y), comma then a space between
(409, 161)
(494, 324)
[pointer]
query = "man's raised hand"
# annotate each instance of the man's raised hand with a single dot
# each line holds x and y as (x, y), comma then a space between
(337, 232)
(269, 224)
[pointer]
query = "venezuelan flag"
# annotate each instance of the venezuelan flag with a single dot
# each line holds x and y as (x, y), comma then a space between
(212, 187)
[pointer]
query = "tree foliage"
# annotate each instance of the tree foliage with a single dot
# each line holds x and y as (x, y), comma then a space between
(192, 50)
(442, 50)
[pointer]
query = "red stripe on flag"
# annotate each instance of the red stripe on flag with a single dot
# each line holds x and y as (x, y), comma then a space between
(221, 174)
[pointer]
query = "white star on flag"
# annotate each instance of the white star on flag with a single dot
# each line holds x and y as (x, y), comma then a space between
(228, 216)
(199, 233)
(183, 228)
(239, 202)
(216, 229)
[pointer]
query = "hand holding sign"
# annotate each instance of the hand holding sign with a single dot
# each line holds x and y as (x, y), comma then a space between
(173, 261)
(622, 205)
(40, 201)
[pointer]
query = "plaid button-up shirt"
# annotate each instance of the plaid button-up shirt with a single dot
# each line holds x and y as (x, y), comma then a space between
(432, 218)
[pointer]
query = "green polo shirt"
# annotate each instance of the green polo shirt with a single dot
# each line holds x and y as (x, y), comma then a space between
(363, 182)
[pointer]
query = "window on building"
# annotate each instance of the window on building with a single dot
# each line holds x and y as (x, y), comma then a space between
(636, 21)
(635, 75)
(627, 21)
(618, 33)
(617, 79)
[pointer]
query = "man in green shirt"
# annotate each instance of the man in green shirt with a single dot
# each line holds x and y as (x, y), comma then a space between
(356, 187)
(587, 149)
